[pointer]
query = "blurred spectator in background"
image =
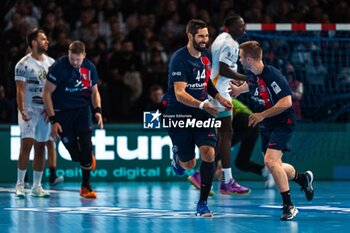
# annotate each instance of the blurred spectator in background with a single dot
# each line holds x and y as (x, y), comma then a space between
(29, 13)
(60, 45)
(7, 109)
(156, 69)
(49, 24)
(82, 27)
(125, 68)
(297, 89)
(316, 74)
(98, 57)
(156, 93)
(171, 31)
(12, 34)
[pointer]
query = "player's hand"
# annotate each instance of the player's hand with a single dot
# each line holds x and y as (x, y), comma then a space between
(234, 90)
(25, 115)
(56, 129)
(99, 120)
(210, 109)
(237, 82)
(224, 102)
(46, 117)
(255, 118)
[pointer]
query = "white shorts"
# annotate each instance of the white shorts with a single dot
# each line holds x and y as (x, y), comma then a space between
(36, 127)
(221, 109)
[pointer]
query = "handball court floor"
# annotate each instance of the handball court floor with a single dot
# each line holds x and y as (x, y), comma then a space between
(169, 207)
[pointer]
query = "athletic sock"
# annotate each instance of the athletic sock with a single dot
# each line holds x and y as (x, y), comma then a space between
(37, 176)
(300, 178)
(52, 173)
(86, 177)
(226, 175)
(20, 175)
(286, 198)
(207, 174)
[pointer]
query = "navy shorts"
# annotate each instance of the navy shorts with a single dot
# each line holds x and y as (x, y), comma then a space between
(73, 122)
(277, 136)
(185, 140)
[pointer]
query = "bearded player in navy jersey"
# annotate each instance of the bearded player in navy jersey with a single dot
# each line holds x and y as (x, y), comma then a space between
(272, 96)
(188, 89)
(70, 90)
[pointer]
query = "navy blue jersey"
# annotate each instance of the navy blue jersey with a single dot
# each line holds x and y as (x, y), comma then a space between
(73, 86)
(267, 89)
(194, 71)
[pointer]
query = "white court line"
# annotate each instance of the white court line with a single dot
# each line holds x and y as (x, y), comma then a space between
(131, 212)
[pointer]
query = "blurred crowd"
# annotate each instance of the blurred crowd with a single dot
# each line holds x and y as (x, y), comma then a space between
(130, 42)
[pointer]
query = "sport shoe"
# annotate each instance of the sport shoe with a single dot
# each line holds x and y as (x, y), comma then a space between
(195, 180)
(203, 210)
(269, 181)
(288, 212)
(56, 180)
(179, 171)
(20, 190)
(39, 192)
(233, 188)
(87, 192)
(307, 186)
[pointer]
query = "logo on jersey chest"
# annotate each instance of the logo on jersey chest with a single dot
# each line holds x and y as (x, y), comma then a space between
(256, 93)
(85, 77)
(81, 82)
(262, 88)
(275, 87)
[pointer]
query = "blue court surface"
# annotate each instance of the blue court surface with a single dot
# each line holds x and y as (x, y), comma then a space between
(169, 207)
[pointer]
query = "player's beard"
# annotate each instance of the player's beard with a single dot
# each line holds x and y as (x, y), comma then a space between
(197, 45)
(42, 49)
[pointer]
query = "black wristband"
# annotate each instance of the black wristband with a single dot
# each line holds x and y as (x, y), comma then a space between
(52, 119)
(212, 91)
(98, 110)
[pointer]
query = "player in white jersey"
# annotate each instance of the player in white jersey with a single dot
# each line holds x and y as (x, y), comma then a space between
(30, 76)
(225, 50)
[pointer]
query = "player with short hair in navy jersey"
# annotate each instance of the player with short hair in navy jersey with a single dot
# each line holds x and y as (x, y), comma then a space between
(187, 97)
(70, 89)
(272, 96)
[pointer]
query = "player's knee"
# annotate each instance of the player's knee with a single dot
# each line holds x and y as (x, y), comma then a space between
(39, 148)
(207, 153)
(189, 164)
(50, 145)
(270, 163)
(26, 145)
